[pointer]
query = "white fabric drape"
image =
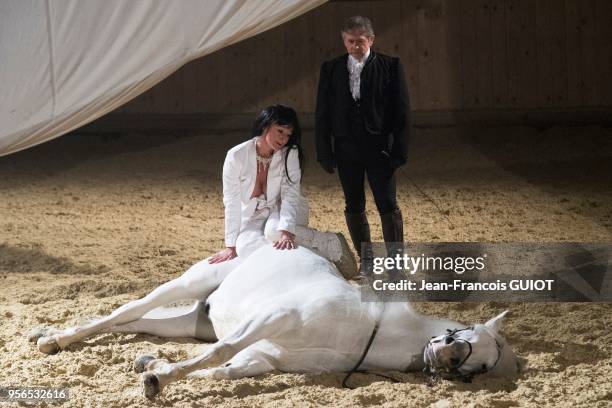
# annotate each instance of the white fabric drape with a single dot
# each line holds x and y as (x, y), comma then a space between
(64, 63)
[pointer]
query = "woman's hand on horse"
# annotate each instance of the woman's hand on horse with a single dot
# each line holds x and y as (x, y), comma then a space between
(286, 241)
(222, 256)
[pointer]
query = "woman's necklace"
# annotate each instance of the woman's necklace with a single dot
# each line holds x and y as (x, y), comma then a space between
(262, 162)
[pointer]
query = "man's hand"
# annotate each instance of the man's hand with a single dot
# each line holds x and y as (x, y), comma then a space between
(286, 241)
(222, 256)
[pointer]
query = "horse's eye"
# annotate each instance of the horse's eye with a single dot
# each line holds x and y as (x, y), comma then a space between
(484, 366)
(454, 361)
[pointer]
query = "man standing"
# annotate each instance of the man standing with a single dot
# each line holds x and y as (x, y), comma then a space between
(362, 128)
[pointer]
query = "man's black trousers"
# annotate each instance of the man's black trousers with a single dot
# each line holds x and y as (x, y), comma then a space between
(381, 177)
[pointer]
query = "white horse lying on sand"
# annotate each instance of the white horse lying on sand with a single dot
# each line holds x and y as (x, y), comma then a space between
(297, 314)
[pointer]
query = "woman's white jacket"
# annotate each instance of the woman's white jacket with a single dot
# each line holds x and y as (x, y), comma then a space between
(239, 174)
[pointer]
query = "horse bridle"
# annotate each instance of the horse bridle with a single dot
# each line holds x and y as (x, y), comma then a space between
(453, 373)
(434, 372)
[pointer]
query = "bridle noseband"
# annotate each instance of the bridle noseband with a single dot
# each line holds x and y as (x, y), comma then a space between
(453, 372)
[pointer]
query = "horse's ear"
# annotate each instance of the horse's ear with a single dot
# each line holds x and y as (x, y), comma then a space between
(495, 323)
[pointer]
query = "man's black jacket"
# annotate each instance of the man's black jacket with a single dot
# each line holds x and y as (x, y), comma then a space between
(384, 107)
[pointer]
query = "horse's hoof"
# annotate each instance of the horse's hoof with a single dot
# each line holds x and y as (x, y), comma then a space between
(47, 345)
(150, 385)
(140, 363)
(36, 333)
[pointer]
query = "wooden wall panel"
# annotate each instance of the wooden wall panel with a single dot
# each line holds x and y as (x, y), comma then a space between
(309, 64)
(264, 83)
(273, 60)
(299, 63)
(603, 51)
(582, 84)
(176, 101)
(236, 75)
(476, 53)
(467, 55)
(453, 63)
(408, 49)
(551, 53)
(387, 21)
(323, 34)
(499, 54)
(432, 83)
(484, 68)
(169, 98)
(189, 79)
(521, 49)
(210, 84)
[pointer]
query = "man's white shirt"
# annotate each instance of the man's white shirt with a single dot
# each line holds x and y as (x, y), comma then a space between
(354, 68)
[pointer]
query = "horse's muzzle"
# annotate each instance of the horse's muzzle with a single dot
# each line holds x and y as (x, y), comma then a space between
(446, 353)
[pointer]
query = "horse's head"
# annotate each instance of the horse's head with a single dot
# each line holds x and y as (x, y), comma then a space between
(463, 353)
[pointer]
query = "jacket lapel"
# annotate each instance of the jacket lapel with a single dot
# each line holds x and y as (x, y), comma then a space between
(274, 180)
(366, 74)
(345, 78)
(250, 170)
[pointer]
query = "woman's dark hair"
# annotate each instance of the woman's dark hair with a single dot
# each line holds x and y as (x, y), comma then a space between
(284, 116)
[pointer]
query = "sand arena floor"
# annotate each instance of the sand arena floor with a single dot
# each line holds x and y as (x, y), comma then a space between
(88, 223)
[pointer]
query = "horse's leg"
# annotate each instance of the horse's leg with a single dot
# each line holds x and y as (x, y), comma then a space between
(197, 283)
(190, 321)
(249, 362)
(250, 331)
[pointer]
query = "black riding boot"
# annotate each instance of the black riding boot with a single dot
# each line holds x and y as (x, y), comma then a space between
(393, 233)
(393, 226)
(359, 229)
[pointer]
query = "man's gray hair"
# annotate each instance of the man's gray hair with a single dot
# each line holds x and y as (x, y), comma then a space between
(358, 23)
